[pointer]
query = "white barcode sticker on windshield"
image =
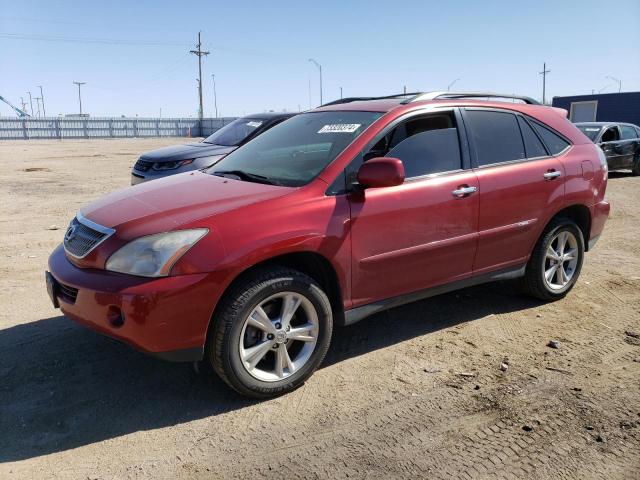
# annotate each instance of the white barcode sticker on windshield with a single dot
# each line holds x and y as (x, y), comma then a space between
(340, 128)
(254, 124)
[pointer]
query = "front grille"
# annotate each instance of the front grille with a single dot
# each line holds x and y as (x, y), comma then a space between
(67, 293)
(143, 165)
(82, 236)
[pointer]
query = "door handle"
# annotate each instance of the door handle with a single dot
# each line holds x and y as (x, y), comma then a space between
(463, 191)
(552, 174)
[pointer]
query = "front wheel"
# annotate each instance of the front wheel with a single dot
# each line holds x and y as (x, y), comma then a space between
(271, 332)
(556, 261)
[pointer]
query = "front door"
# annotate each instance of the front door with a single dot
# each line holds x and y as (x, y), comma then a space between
(421, 233)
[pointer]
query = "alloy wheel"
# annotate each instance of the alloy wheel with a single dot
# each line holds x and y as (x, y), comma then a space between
(279, 336)
(561, 260)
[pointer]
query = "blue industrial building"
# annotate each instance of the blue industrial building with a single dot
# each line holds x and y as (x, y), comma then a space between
(604, 107)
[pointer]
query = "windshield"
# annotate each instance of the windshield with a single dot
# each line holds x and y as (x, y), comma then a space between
(235, 132)
(297, 150)
(590, 131)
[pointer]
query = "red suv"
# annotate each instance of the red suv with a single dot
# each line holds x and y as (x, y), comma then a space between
(333, 215)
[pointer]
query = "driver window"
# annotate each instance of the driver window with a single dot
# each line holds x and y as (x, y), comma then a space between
(426, 145)
(610, 135)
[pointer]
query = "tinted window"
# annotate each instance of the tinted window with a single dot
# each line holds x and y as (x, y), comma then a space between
(496, 136)
(590, 131)
(627, 132)
(554, 142)
(532, 144)
(294, 152)
(433, 151)
(235, 132)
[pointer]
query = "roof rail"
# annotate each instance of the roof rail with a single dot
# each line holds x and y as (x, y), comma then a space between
(454, 95)
(361, 99)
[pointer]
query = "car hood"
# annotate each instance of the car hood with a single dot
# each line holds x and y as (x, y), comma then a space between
(185, 152)
(167, 203)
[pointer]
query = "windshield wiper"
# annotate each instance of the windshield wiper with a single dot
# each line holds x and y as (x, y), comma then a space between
(250, 177)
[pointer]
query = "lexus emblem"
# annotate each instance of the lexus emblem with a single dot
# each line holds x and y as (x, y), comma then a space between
(70, 234)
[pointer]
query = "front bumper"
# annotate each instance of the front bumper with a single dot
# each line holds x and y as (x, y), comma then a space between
(167, 317)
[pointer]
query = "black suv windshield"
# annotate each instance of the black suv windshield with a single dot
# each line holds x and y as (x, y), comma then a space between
(234, 133)
(297, 150)
(590, 131)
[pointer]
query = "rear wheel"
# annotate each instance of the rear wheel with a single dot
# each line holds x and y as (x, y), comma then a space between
(556, 261)
(271, 332)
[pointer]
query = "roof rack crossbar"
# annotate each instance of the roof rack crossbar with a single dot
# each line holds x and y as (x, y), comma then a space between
(360, 99)
(454, 95)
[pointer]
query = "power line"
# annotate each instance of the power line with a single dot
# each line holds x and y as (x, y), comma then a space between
(106, 41)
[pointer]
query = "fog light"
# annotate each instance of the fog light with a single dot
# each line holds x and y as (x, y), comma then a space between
(115, 317)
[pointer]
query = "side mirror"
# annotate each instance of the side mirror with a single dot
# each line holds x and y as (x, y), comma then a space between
(381, 172)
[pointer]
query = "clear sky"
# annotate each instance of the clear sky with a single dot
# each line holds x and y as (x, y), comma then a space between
(133, 55)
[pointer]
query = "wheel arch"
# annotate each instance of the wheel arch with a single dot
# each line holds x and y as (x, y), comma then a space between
(311, 263)
(581, 215)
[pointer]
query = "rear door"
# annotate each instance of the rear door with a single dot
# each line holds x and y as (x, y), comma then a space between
(421, 233)
(520, 182)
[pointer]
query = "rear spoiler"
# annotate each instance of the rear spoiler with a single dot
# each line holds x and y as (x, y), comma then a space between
(563, 112)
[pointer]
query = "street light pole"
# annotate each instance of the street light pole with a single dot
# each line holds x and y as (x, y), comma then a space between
(38, 103)
(215, 98)
(320, 70)
(340, 93)
(79, 95)
(451, 84)
(619, 82)
(44, 112)
(31, 103)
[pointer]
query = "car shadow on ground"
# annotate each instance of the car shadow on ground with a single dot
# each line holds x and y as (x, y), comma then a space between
(63, 386)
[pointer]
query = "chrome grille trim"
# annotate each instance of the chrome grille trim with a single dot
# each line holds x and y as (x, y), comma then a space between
(87, 236)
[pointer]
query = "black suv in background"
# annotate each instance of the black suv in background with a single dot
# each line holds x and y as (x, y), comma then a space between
(193, 156)
(620, 143)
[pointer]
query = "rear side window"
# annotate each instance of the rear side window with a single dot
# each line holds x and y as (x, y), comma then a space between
(627, 132)
(554, 142)
(496, 136)
(532, 144)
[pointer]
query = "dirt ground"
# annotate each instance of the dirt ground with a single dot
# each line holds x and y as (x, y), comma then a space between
(416, 392)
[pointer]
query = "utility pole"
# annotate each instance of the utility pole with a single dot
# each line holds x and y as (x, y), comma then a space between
(80, 96)
(340, 93)
(44, 112)
(199, 52)
(24, 104)
(320, 70)
(31, 103)
(38, 103)
(544, 81)
(215, 98)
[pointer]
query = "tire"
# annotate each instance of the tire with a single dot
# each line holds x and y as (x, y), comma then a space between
(535, 282)
(231, 338)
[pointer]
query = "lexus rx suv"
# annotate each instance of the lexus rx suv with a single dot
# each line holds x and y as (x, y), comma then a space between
(193, 156)
(328, 217)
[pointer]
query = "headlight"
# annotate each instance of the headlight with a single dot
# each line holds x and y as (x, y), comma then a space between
(160, 166)
(154, 255)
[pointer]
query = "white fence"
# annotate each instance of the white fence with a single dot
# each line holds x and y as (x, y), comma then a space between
(116, 127)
